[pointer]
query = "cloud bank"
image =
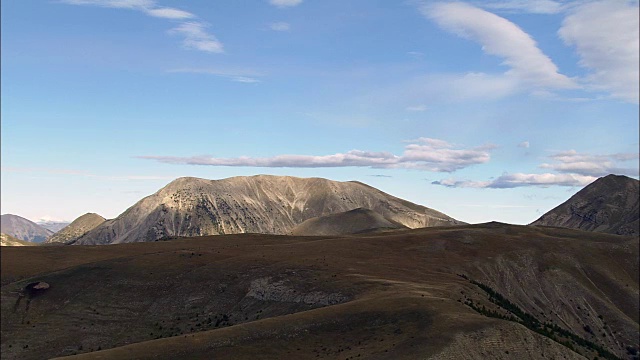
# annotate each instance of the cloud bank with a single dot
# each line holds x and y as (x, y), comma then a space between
(194, 31)
(423, 154)
(285, 3)
(573, 169)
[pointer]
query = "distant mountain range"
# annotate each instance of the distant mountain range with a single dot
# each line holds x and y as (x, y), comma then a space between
(255, 204)
(609, 204)
(23, 229)
(54, 226)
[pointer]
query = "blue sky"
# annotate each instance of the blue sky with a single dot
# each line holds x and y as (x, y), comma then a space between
(485, 110)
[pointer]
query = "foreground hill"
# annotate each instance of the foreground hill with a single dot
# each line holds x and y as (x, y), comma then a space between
(609, 204)
(490, 291)
(349, 222)
(8, 240)
(255, 204)
(23, 229)
(77, 228)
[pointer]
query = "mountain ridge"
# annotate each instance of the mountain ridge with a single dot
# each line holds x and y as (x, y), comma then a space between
(268, 204)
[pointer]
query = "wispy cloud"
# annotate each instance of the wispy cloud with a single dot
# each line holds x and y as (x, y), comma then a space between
(424, 154)
(593, 165)
(524, 6)
(605, 34)
(500, 37)
(417, 108)
(194, 31)
(196, 37)
(280, 26)
(524, 144)
(238, 75)
(508, 181)
(285, 3)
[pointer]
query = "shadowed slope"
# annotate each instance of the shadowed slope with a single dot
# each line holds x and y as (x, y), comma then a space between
(348, 222)
(383, 295)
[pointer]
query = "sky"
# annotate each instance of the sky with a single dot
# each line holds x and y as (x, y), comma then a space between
(484, 110)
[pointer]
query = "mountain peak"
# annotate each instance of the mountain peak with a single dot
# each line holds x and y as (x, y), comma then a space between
(269, 204)
(610, 204)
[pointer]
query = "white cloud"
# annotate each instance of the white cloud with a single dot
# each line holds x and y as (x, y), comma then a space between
(237, 75)
(285, 3)
(574, 169)
(524, 6)
(524, 144)
(280, 26)
(170, 13)
(605, 34)
(195, 35)
(593, 165)
(417, 108)
(425, 154)
(500, 37)
(508, 181)
(118, 4)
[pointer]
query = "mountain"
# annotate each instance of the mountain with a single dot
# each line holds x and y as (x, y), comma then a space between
(23, 229)
(256, 204)
(77, 228)
(487, 291)
(8, 240)
(349, 222)
(54, 226)
(609, 204)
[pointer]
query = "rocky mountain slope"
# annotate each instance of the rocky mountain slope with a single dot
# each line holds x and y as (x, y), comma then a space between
(255, 204)
(609, 204)
(23, 229)
(8, 240)
(77, 228)
(349, 222)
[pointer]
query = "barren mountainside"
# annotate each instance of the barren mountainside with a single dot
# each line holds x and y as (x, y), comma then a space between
(23, 229)
(609, 204)
(77, 228)
(255, 204)
(8, 240)
(487, 291)
(349, 222)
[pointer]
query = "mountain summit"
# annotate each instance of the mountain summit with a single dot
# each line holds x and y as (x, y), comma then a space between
(256, 204)
(609, 204)
(23, 229)
(77, 228)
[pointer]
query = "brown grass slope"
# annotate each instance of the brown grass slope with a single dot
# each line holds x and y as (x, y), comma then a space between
(610, 204)
(349, 222)
(394, 295)
(77, 228)
(254, 204)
